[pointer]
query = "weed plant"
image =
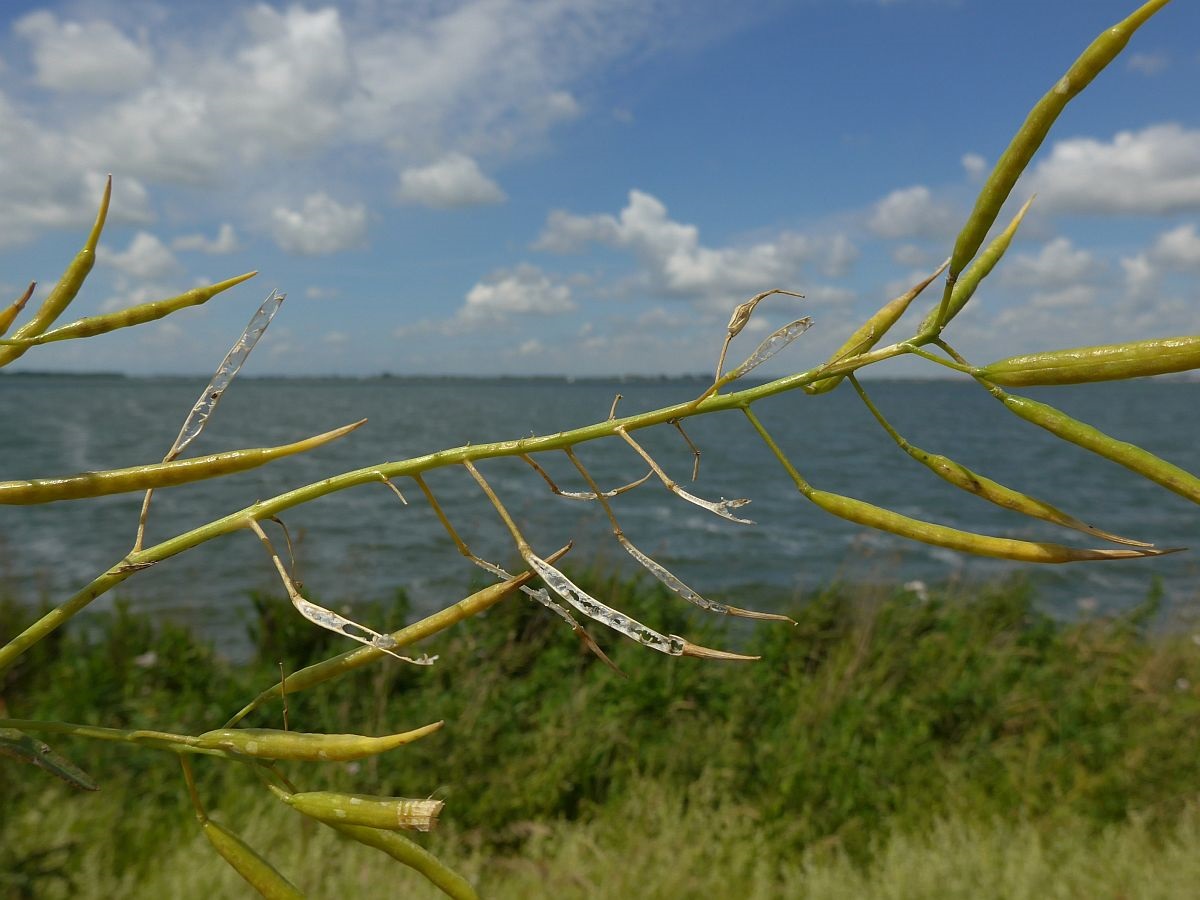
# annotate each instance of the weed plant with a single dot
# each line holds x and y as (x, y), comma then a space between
(859, 720)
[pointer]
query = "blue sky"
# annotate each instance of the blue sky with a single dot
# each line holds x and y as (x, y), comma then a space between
(586, 186)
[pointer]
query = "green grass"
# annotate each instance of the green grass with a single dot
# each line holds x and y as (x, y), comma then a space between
(883, 747)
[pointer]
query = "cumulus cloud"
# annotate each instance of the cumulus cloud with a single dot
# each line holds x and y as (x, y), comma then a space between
(454, 181)
(146, 257)
(912, 212)
(1058, 263)
(1155, 171)
(225, 242)
(1178, 248)
(283, 88)
(525, 289)
(88, 57)
(320, 226)
(674, 261)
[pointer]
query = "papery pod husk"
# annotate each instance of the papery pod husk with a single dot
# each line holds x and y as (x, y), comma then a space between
(271, 743)
(1108, 362)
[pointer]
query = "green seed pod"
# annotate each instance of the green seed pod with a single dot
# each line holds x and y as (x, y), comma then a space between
(881, 519)
(992, 491)
(872, 331)
(363, 809)
(158, 475)
(270, 743)
(9, 314)
(863, 513)
(1131, 456)
(414, 856)
(261, 875)
(68, 286)
(1105, 363)
(136, 315)
(1033, 131)
(964, 288)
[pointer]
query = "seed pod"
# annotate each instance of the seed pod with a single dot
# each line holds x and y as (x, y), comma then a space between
(992, 491)
(9, 314)
(140, 478)
(261, 875)
(136, 315)
(881, 519)
(1033, 131)
(270, 743)
(1131, 456)
(863, 513)
(872, 331)
(1105, 363)
(66, 289)
(964, 288)
(362, 809)
(414, 856)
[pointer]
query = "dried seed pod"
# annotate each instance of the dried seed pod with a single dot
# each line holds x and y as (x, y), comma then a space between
(140, 478)
(261, 875)
(1104, 363)
(364, 809)
(1131, 456)
(872, 331)
(413, 855)
(91, 326)
(270, 743)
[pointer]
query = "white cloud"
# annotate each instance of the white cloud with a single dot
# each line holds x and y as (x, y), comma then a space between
(673, 260)
(1178, 248)
(1147, 63)
(225, 242)
(1058, 263)
(1154, 171)
(272, 93)
(525, 289)
(146, 257)
(321, 226)
(974, 165)
(454, 181)
(89, 57)
(912, 212)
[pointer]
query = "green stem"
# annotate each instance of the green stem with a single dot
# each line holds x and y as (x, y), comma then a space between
(264, 509)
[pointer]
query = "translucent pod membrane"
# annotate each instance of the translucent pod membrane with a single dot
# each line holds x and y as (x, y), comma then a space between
(327, 618)
(615, 492)
(721, 508)
(225, 373)
(605, 615)
(775, 342)
(670, 580)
